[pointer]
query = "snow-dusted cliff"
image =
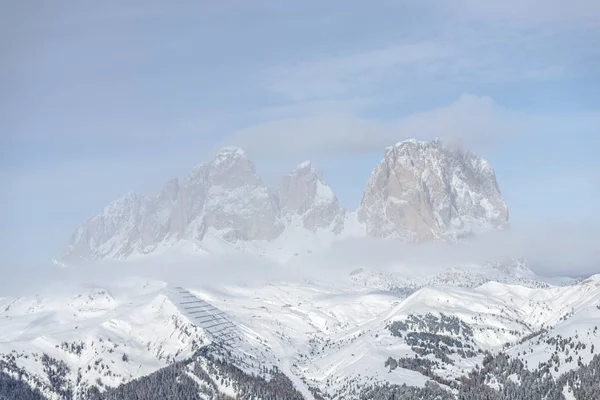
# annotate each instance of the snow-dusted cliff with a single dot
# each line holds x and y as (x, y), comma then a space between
(424, 191)
(304, 194)
(419, 191)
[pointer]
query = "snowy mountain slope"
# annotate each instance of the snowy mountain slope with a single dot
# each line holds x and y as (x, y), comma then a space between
(108, 337)
(419, 191)
(350, 339)
(571, 336)
(104, 339)
(294, 242)
(408, 278)
(477, 320)
(326, 337)
(348, 334)
(423, 191)
(205, 376)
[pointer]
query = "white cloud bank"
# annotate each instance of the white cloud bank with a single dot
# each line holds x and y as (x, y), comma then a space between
(470, 120)
(551, 250)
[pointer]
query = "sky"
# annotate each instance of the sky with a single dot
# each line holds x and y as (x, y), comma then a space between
(98, 99)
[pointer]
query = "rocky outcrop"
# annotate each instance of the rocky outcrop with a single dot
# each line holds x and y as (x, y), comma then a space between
(235, 201)
(425, 191)
(304, 195)
(225, 196)
(419, 191)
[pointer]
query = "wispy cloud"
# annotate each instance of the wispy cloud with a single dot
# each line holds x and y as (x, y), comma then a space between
(551, 250)
(465, 55)
(167, 82)
(461, 43)
(469, 120)
(362, 71)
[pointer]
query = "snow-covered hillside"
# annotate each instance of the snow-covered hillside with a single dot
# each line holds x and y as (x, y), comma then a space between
(220, 288)
(106, 337)
(328, 338)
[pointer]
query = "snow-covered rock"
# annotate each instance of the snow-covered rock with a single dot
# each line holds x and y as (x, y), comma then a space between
(225, 195)
(419, 191)
(424, 190)
(304, 194)
(115, 232)
(228, 195)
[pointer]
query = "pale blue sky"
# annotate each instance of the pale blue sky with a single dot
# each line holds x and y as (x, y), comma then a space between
(99, 99)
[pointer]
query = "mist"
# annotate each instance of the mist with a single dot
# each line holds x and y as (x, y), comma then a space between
(550, 250)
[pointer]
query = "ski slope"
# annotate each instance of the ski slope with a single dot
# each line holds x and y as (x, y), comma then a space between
(327, 335)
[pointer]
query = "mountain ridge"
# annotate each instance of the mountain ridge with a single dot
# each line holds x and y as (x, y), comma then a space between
(426, 191)
(419, 191)
(320, 335)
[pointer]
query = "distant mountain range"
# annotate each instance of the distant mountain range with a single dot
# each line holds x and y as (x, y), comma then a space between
(320, 327)
(419, 191)
(462, 340)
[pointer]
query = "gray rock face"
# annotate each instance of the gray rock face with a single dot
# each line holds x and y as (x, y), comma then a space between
(304, 195)
(116, 230)
(228, 196)
(419, 191)
(132, 224)
(425, 191)
(225, 195)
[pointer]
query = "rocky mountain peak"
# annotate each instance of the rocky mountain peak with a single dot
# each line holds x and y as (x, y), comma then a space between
(424, 190)
(231, 168)
(305, 195)
(304, 165)
(224, 196)
(238, 205)
(418, 191)
(112, 232)
(229, 153)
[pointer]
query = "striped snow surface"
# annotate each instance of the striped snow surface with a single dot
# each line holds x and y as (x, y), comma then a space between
(211, 319)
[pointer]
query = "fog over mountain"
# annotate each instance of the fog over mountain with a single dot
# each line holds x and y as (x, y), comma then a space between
(420, 191)
(221, 286)
(300, 200)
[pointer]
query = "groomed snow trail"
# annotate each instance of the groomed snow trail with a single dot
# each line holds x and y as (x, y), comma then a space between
(201, 313)
(222, 330)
